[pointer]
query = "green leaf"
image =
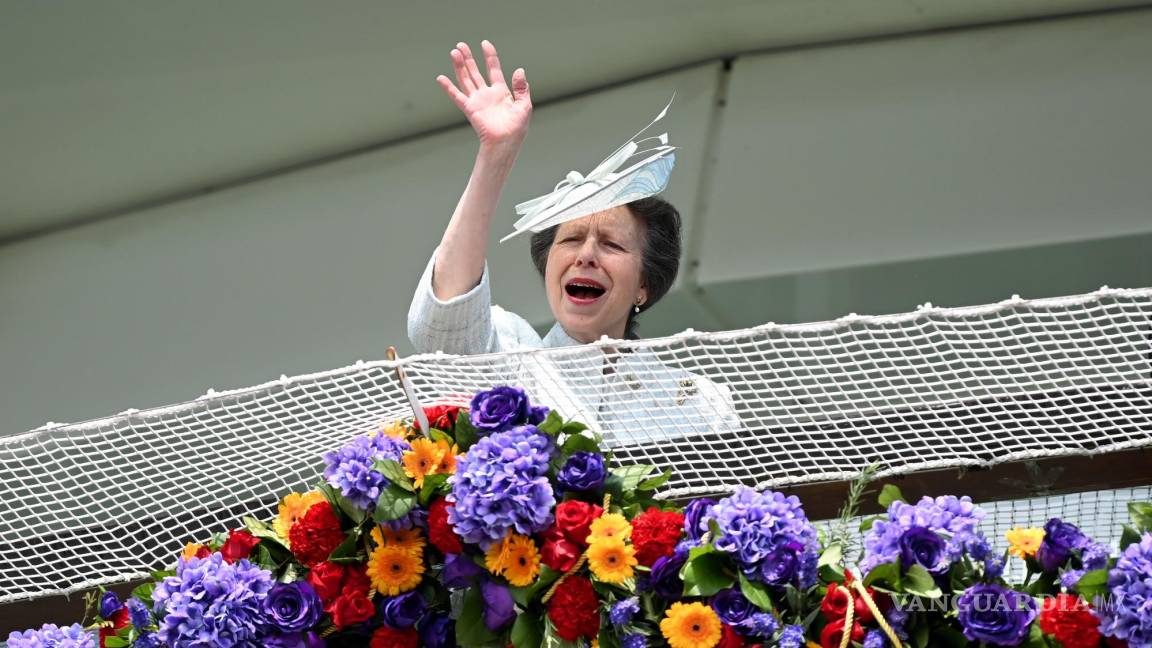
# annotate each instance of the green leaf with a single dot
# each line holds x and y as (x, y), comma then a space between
(341, 503)
(466, 435)
(1128, 536)
(886, 576)
(551, 425)
(1141, 513)
(393, 504)
(432, 485)
(948, 637)
(866, 523)
(832, 556)
(528, 630)
(920, 635)
(263, 531)
(114, 642)
(348, 550)
(1093, 583)
(573, 427)
(579, 443)
(653, 483)
(705, 575)
(392, 469)
(631, 476)
(890, 493)
(470, 628)
(919, 582)
(757, 593)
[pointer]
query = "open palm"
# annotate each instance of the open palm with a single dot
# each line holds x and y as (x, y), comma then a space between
(498, 114)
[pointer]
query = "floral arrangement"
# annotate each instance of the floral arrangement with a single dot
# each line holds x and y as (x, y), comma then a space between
(505, 525)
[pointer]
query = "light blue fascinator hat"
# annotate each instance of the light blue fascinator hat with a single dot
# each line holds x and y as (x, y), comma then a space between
(638, 169)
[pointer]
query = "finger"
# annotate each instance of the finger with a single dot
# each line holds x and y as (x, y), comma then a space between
(520, 90)
(463, 78)
(470, 65)
(492, 61)
(457, 97)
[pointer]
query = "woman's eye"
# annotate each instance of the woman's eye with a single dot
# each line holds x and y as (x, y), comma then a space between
(614, 246)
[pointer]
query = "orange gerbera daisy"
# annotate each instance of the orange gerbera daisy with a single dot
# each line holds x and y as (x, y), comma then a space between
(407, 539)
(397, 430)
(422, 460)
(516, 558)
(609, 526)
(1024, 542)
(394, 570)
(292, 508)
(691, 625)
(447, 465)
(611, 560)
(190, 550)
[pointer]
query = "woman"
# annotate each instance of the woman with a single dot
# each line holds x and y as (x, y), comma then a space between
(600, 271)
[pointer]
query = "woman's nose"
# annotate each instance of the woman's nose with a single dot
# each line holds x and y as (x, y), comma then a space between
(586, 255)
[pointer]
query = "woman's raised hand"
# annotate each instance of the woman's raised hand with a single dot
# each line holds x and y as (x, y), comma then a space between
(499, 115)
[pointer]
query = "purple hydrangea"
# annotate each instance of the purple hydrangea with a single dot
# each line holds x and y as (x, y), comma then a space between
(768, 535)
(212, 603)
(148, 640)
(995, 614)
(349, 469)
(1124, 614)
(138, 613)
(500, 408)
(761, 624)
(52, 636)
(502, 485)
(875, 639)
(622, 612)
(956, 518)
(791, 637)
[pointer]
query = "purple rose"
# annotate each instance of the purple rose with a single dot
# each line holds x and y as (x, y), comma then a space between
(404, 610)
(498, 409)
(438, 632)
(292, 607)
(995, 614)
(923, 546)
(694, 525)
(292, 640)
(783, 564)
(459, 571)
(1060, 540)
(499, 608)
(584, 471)
(537, 415)
(109, 604)
(664, 578)
(731, 606)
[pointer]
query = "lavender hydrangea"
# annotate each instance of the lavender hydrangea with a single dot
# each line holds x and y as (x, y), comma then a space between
(622, 612)
(212, 603)
(791, 637)
(349, 469)
(502, 485)
(769, 536)
(1125, 612)
(52, 636)
(956, 518)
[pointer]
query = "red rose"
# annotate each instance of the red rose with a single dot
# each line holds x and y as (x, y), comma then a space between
(833, 634)
(558, 552)
(574, 609)
(316, 534)
(119, 620)
(835, 603)
(351, 608)
(239, 545)
(386, 637)
(441, 417)
(655, 534)
(1068, 618)
(202, 552)
(730, 639)
(330, 580)
(439, 531)
(574, 518)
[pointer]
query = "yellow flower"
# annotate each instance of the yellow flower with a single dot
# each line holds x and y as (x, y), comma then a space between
(394, 570)
(496, 558)
(292, 508)
(1024, 542)
(611, 560)
(407, 539)
(422, 460)
(190, 550)
(692, 625)
(447, 465)
(397, 430)
(609, 525)
(523, 561)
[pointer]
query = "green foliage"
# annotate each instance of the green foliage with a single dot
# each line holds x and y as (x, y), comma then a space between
(392, 469)
(706, 574)
(393, 504)
(890, 493)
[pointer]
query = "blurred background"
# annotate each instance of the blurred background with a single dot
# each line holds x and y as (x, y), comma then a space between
(214, 194)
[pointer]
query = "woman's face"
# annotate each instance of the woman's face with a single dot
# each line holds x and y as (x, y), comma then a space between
(593, 275)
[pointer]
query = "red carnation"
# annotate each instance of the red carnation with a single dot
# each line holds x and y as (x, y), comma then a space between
(729, 638)
(351, 608)
(330, 580)
(440, 417)
(314, 536)
(574, 519)
(655, 534)
(239, 545)
(439, 531)
(558, 552)
(833, 634)
(386, 637)
(1067, 617)
(574, 609)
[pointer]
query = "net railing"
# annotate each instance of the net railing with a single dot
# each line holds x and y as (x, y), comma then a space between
(112, 499)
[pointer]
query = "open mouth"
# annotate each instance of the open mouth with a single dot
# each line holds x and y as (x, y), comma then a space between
(584, 290)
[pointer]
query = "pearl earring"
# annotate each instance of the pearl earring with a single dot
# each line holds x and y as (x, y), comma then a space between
(637, 308)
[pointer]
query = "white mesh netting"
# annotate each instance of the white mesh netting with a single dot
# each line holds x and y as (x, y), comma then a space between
(109, 500)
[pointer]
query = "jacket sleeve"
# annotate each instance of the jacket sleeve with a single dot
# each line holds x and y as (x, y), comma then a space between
(460, 325)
